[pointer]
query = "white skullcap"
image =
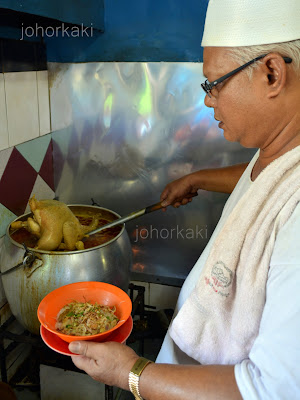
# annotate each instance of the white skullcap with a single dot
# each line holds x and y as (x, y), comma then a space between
(231, 23)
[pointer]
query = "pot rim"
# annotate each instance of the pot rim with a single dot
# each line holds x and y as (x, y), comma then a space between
(55, 252)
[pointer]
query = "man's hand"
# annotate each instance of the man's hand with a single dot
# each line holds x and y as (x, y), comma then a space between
(182, 189)
(108, 362)
(221, 180)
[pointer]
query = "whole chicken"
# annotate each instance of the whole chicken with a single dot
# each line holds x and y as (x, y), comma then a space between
(55, 225)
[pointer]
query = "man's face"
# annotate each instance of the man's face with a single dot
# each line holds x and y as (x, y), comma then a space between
(238, 102)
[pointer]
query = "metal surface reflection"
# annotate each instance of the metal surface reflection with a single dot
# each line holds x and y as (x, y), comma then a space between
(133, 128)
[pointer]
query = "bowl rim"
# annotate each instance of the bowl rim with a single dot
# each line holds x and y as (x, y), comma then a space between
(86, 337)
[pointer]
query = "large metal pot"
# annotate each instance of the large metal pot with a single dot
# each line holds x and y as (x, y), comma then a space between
(26, 285)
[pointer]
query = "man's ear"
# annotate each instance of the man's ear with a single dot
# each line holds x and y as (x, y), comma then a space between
(275, 70)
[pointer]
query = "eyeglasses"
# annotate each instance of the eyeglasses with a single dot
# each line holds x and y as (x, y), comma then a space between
(207, 86)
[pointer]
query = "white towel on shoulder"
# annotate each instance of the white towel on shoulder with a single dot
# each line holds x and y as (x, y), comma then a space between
(219, 321)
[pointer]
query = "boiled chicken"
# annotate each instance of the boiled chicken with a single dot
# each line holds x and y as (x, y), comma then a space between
(55, 225)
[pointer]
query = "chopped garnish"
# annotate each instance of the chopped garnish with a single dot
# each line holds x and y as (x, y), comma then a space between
(83, 319)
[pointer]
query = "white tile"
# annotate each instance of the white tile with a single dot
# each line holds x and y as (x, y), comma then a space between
(59, 384)
(163, 296)
(43, 100)
(6, 217)
(22, 106)
(3, 117)
(41, 190)
(66, 184)
(4, 157)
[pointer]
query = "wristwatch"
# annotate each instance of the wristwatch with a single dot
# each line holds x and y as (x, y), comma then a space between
(134, 376)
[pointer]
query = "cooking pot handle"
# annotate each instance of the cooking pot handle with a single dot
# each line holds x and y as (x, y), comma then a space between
(28, 259)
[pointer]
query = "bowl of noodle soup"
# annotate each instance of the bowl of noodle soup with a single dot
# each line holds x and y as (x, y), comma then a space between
(78, 310)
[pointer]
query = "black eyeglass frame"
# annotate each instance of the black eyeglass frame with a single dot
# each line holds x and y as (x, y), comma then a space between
(207, 86)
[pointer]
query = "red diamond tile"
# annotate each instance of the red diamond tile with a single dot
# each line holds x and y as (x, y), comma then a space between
(46, 170)
(16, 183)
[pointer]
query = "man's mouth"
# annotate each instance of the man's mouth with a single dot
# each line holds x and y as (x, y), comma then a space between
(220, 122)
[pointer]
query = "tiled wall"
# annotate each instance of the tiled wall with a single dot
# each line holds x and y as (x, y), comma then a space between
(24, 96)
(25, 141)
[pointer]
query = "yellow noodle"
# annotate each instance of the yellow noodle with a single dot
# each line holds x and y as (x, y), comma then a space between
(83, 319)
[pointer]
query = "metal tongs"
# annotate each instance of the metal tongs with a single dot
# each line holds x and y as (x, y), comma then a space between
(135, 214)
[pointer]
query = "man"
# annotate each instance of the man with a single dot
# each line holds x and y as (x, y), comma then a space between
(235, 329)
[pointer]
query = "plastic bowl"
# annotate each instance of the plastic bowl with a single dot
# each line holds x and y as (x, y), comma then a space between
(100, 292)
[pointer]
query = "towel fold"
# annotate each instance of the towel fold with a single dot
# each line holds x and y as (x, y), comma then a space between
(220, 320)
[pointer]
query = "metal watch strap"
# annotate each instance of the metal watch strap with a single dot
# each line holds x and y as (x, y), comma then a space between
(134, 376)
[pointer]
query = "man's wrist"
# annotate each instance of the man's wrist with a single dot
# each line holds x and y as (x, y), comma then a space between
(134, 376)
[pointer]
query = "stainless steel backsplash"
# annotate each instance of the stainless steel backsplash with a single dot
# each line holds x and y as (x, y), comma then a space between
(122, 131)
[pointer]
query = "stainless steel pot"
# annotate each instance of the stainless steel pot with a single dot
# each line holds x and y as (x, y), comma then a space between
(26, 285)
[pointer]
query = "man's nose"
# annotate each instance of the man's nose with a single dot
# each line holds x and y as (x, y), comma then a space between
(209, 101)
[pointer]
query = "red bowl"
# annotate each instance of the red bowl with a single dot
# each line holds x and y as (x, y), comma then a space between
(100, 292)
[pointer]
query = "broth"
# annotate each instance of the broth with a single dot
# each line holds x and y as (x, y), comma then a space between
(23, 236)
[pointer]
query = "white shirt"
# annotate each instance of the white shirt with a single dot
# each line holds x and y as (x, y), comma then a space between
(272, 370)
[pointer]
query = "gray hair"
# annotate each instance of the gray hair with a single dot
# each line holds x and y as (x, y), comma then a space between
(289, 49)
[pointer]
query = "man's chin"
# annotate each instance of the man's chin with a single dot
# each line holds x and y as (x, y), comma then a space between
(234, 138)
(228, 136)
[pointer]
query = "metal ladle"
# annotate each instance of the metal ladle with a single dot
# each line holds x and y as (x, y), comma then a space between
(135, 214)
